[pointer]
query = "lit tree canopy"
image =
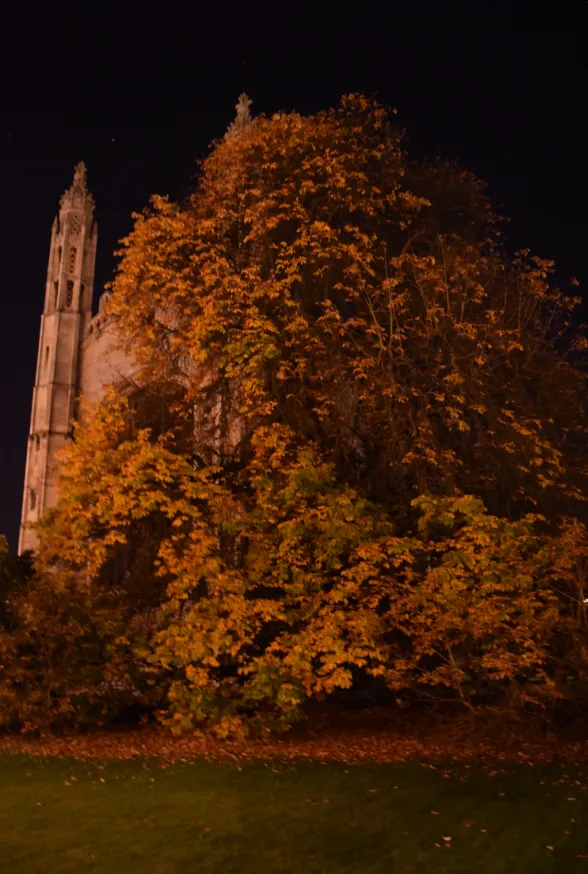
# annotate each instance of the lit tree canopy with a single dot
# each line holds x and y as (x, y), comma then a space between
(356, 428)
(320, 278)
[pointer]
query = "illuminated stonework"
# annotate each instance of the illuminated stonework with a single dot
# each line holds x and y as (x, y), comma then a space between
(77, 354)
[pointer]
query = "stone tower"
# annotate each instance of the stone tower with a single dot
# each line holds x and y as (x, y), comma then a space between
(64, 324)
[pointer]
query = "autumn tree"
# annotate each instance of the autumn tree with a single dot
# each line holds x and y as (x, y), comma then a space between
(320, 278)
(268, 593)
(15, 571)
(357, 424)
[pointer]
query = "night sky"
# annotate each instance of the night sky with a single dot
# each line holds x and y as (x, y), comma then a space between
(139, 101)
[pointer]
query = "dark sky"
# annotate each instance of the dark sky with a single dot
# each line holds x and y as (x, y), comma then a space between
(501, 90)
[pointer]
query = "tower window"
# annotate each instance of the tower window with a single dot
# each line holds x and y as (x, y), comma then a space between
(46, 361)
(37, 443)
(72, 258)
(55, 294)
(60, 253)
(69, 295)
(75, 224)
(33, 500)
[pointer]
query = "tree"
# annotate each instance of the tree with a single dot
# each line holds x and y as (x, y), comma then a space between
(15, 571)
(319, 278)
(272, 595)
(357, 424)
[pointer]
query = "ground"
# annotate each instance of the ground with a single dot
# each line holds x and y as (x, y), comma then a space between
(364, 792)
(60, 815)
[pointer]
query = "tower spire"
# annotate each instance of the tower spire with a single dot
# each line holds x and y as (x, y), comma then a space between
(66, 313)
(243, 117)
(80, 175)
(77, 194)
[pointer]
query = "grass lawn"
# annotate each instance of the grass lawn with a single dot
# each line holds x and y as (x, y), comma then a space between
(59, 815)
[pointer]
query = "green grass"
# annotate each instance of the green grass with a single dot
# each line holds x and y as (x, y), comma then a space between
(309, 818)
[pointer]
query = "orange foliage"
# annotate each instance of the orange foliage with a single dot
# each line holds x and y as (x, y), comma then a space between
(354, 357)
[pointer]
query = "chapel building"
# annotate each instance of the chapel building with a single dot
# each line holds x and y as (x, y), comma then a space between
(77, 353)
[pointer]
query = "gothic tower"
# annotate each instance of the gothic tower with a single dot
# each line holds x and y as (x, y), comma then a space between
(64, 323)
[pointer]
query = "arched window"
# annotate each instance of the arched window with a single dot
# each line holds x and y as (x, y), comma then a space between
(60, 253)
(33, 500)
(55, 294)
(72, 258)
(46, 360)
(69, 295)
(37, 443)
